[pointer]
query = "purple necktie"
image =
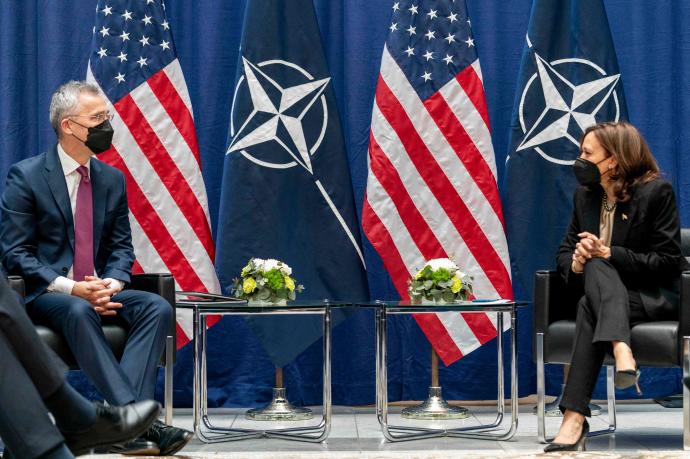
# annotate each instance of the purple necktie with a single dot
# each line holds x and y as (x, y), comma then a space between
(83, 228)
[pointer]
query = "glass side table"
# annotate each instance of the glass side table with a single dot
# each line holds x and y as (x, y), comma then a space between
(204, 305)
(492, 431)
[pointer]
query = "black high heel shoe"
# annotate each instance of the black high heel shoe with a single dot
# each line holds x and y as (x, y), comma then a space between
(628, 378)
(579, 445)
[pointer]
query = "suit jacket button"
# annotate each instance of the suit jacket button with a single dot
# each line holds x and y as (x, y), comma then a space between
(64, 270)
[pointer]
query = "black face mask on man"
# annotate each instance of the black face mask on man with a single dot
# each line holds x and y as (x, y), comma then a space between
(587, 172)
(99, 138)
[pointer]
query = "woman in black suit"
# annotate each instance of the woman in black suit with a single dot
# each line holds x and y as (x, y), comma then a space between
(623, 247)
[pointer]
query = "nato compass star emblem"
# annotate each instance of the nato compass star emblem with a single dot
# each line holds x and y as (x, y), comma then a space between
(569, 107)
(277, 117)
(292, 117)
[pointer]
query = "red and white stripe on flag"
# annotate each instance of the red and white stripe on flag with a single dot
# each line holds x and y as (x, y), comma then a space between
(432, 193)
(155, 146)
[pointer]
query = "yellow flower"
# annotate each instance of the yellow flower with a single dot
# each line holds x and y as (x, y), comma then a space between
(248, 285)
(289, 283)
(457, 284)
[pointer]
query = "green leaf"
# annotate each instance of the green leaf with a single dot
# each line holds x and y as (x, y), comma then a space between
(448, 296)
(263, 294)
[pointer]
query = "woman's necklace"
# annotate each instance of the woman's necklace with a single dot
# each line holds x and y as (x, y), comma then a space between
(605, 203)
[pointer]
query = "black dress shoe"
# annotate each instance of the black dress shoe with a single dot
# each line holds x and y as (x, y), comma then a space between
(114, 424)
(136, 447)
(168, 438)
(579, 445)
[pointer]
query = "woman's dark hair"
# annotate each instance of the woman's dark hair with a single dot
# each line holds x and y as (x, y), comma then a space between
(636, 164)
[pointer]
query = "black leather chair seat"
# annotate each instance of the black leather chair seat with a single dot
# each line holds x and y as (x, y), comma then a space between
(654, 344)
(114, 334)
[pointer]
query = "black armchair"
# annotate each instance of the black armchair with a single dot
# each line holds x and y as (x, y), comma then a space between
(654, 344)
(116, 335)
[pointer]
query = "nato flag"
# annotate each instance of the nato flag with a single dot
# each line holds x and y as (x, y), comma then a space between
(569, 80)
(287, 192)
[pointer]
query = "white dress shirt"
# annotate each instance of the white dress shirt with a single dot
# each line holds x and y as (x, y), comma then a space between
(64, 284)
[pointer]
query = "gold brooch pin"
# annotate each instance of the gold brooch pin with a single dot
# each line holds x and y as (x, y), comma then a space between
(624, 217)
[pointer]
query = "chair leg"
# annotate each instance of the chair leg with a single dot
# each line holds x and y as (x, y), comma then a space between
(169, 344)
(686, 394)
(611, 404)
(541, 423)
(611, 396)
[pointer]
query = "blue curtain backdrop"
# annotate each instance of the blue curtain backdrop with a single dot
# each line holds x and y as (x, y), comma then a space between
(44, 43)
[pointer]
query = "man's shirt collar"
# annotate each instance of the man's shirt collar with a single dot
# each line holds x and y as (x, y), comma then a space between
(68, 163)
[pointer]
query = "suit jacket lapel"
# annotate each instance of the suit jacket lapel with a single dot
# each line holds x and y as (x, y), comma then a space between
(55, 177)
(99, 192)
(622, 220)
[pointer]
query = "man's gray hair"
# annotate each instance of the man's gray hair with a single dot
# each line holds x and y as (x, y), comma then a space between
(66, 99)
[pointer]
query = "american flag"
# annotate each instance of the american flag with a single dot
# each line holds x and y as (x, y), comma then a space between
(431, 190)
(134, 62)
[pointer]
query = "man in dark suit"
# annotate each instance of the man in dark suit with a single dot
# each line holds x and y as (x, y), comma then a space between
(64, 228)
(31, 381)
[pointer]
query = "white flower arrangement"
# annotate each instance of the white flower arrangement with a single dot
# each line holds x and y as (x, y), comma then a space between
(440, 279)
(267, 281)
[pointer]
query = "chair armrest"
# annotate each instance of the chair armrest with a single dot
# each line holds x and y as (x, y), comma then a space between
(684, 317)
(543, 283)
(17, 284)
(162, 284)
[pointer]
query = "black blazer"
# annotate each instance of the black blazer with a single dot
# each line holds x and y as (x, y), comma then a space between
(645, 242)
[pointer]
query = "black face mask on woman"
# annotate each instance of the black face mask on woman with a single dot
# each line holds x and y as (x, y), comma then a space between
(587, 172)
(99, 138)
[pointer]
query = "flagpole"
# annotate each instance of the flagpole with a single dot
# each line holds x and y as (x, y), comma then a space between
(279, 408)
(434, 368)
(279, 378)
(435, 407)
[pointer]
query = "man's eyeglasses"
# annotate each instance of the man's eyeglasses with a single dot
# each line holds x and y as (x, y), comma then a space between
(100, 117)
